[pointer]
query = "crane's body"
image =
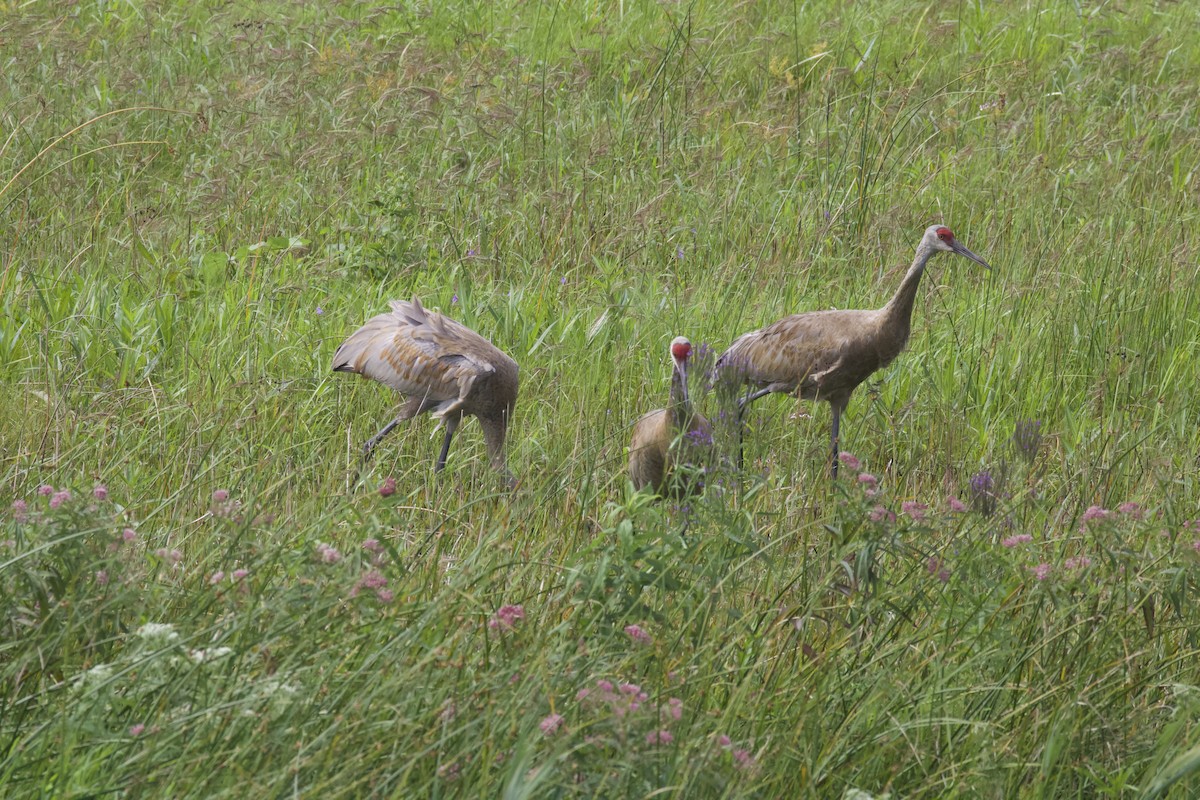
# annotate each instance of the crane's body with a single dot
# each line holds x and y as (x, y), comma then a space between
(441, 366)
(661, 436)
(825, 355)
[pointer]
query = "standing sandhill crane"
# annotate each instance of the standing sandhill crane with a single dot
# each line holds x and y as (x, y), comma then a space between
(654, 448)
(443, 367)
(825, 355)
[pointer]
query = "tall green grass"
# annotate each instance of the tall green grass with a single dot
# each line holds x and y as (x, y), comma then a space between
(197, 203)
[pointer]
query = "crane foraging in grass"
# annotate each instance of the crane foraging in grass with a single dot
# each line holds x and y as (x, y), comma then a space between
(661, 436)
(442, 366)
(825, 355)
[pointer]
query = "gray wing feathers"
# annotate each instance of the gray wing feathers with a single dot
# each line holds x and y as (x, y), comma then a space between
(416, 352)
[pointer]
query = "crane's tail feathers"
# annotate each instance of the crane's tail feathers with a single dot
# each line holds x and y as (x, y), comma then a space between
(455, 406)
(442, 412)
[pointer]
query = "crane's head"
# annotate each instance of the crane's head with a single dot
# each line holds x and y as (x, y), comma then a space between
(939, 237)
(681, 351)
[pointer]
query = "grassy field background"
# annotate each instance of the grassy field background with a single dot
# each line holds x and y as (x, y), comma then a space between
(198, 202)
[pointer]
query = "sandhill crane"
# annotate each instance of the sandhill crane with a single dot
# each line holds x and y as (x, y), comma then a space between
(443, 367)
(654, 447)
(825, 355)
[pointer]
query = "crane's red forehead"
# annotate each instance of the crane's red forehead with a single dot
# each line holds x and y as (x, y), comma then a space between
(945, 233)
(681, 349)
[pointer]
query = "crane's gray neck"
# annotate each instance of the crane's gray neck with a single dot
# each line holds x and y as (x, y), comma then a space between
(899, 309)
(494, 434)
(681, 406)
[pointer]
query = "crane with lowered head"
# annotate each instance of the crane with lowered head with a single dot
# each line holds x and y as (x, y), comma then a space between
(442, 367)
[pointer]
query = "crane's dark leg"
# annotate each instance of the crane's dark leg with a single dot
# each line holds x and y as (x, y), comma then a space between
(833, 435)
(752, 397)
(741, 415)
(741, 426)
(377, 438)
(451, 425)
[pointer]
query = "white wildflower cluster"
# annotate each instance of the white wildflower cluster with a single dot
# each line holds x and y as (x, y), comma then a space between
(158, 633)
(97, 674)
(859, 794)
(272, 695)
(200, 656)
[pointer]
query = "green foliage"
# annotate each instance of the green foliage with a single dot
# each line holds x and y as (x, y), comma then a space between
(198, 203)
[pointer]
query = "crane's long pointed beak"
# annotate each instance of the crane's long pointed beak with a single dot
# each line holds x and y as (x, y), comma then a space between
(963, 251)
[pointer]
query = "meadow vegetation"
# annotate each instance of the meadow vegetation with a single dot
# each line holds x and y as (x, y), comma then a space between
(203, 596)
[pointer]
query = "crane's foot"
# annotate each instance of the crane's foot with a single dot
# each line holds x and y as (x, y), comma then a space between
(377, 438)
(369, 448)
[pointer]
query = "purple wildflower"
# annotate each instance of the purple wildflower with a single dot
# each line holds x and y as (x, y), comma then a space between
(938, 569)
(956, 505)
(724, 741)
(551, 724)
(388, 487)
(675, 708)
(217, 577)
(384, 595)
(1092, 514)
(743, 760)
(659, 737)
(20, 510)
(220, 495)
(372, 546)
(128, 535)
(369, 580)
(328, 553)
(1041, 571)
(136, 730)
(867, 479)
(679, 252)
(699, 438)
(472, 252)
(851, 461)
(100, 492)
(983, 496)
(60, 497)
(1013, 541)
(1027, 438)
(454, 299)
(507, 617)
(1132, 509)
(174, 556)
(240, 573)
(1077, 562)
(638, 635)
(914, 509)
(881, 514)
(45, 490)
(102, 577)
(320, 311)
(604, 686)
